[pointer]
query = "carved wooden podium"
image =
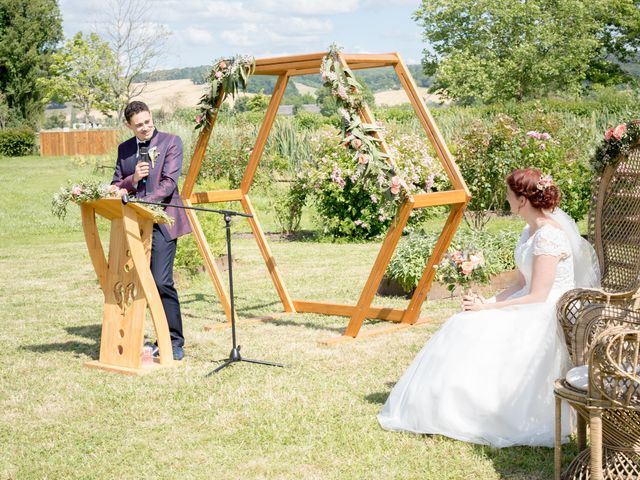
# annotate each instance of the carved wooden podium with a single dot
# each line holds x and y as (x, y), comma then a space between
(128, 286)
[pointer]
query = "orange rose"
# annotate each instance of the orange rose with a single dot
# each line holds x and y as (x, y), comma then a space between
(467, 267)
(618, 132)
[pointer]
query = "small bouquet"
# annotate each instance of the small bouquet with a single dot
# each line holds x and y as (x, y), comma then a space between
(462, 268)
(88, 190)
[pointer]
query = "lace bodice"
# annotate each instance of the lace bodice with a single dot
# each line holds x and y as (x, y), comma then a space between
(547, 240)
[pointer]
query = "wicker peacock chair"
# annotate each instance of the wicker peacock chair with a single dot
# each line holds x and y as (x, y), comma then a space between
(608, 395)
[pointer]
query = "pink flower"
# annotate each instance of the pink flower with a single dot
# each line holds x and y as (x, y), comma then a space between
(456, 256)
(222, 65)
(356, 143)
(395, 190)
(619, 131)
(608, 134)
(218, 75)
(363, 159)
(342, 92)
(76, 190)
(476, 259)
(542, 146)
(467, 267)
(198, 119)
(396, 181)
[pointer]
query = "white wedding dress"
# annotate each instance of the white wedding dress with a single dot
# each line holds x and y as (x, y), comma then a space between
(487, 377)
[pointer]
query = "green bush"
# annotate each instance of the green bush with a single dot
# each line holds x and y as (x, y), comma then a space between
(413, 252)
(188, 257)
(17, 142)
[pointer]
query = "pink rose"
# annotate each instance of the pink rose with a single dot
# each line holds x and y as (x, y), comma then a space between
(356, 143)
(198, 119)
(467, 267)
(608, 134)
(395, 190)
(76, 190)
(218, 75)
(396, 181)
(618, 131)
(363, 159)
(222, 65)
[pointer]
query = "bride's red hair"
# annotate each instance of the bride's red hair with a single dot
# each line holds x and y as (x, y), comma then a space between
(526, 182)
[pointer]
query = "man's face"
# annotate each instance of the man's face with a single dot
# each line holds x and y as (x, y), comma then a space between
(141, 124)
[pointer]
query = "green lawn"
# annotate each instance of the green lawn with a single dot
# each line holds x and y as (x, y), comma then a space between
(316, 418)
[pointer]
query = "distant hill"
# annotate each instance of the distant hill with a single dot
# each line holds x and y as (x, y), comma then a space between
(378, 79)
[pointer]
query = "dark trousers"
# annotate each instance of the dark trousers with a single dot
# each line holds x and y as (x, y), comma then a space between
(163, 253)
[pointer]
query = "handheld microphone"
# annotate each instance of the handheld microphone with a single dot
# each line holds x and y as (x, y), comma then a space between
(143, 157)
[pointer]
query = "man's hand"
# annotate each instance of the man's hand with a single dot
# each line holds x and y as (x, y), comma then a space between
(142, 171)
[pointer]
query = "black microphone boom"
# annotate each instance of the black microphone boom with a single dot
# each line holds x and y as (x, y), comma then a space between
(126, 199)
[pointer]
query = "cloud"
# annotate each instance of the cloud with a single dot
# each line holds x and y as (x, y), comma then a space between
(198, 35)
(308, 7)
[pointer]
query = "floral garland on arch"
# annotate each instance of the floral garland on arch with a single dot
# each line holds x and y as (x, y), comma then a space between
(358, 136)
(227, 77)
(618, 142)
(90, 190)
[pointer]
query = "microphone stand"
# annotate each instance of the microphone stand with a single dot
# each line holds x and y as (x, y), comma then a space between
(234, 356)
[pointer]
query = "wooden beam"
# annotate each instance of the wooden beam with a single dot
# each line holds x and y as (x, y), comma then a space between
(267, 255)
(217, 196)
(380, 313)
(429, 272)
(379, 267)
(430, 127)
(263, 134)
(381, 59)
(200, 151)
(209, 262)
(432, 199)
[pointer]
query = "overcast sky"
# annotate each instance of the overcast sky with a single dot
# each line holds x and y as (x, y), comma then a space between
(203, 30)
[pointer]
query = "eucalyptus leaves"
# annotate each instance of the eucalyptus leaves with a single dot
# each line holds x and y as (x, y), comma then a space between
(359, 137)
(618, 142)
(227, 77)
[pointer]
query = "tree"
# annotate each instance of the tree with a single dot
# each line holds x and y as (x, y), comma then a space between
(29, 33)
(82, 72)
(489, 50)
(136, 44)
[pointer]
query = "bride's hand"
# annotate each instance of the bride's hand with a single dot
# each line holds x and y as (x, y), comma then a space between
(473, 302)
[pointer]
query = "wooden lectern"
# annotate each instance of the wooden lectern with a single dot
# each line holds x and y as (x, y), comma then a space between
(128, 286)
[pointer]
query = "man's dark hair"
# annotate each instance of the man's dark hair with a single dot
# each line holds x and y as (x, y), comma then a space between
(134, 108)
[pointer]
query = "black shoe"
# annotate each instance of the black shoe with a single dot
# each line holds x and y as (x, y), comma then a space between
(178, 352)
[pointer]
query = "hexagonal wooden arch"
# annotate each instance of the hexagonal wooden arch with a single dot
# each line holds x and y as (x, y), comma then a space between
(284, 68)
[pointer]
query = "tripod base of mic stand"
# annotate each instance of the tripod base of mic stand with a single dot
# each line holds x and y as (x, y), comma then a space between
(235, 356)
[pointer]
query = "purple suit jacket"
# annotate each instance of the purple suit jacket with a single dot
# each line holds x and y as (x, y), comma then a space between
(162, 182)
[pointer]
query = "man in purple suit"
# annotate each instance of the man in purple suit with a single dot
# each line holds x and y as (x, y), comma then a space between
(156, 181)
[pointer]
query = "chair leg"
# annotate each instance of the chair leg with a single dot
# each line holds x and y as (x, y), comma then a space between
(557, 454)
(595, 427)
(582, 433)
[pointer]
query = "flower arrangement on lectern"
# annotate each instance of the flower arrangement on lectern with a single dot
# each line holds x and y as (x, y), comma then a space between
(90, 190)
(618, 142)
(227, 77)
(359, 137)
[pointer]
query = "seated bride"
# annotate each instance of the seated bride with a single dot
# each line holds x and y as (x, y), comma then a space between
(486, 376)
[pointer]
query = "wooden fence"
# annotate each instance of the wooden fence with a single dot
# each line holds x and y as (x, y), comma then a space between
(77, 142)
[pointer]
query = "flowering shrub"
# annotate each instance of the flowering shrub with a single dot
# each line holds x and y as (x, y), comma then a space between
(351, 208)
(486, 154)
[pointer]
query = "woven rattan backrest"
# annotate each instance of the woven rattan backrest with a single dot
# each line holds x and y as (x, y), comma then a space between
(614, 223)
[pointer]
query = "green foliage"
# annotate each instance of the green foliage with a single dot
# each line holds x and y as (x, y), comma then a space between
(489, 151)
(82, 71)
(29, 33)
(188, 256)
(491, 50)
(17, 142)
(413, 252)
(288, 206)
(55, 120)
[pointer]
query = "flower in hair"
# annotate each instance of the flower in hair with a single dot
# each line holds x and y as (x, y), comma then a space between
(545, 182)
